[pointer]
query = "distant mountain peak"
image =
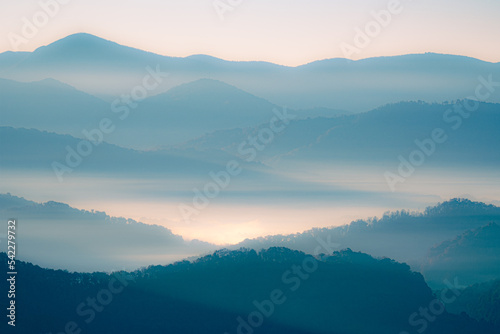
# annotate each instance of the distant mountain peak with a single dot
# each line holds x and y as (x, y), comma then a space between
(208, 81)
(209, 88)
(204, 58)
(83, 46)
(84, 38)
(79, 41)
(50, 82)
(459, 206)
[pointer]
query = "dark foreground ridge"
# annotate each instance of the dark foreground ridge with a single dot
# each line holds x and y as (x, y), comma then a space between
(273, 291)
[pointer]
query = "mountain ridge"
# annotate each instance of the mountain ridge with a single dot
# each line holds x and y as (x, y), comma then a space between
(90, 40)
(224, 290)
(327, 83)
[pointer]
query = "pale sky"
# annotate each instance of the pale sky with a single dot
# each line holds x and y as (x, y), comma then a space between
(289, 32)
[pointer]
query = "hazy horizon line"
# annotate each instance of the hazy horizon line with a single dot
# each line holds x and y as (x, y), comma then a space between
(254, 60)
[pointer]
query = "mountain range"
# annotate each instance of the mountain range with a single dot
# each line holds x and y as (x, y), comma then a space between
(182, 113)
(106, 69)
(273, 291)
(55, 235)
(378, 136)
(436, 242)
(274, 161)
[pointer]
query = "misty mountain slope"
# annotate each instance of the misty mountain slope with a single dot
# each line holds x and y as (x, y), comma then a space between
(217, 293)
(382, 80)
(297, 134)
(474, 256)
(10, 58)
(29, 149)
(481, 302)
(386, 132)
(378, 136)
(169, 175)
(195, 96)
(403, 236)
(189, 111)
(104, 68)
(56, 235)
(80, 47)
(49, 105)
(82, 54)
(185, 112)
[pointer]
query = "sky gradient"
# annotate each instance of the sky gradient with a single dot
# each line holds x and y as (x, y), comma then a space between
(288, 32)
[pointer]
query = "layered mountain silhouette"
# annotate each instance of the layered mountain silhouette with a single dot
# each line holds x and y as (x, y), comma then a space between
(33, 150)
(104, 68)
(55, 235)
(474, 256)
(172, 172)
(408, 237)
(304, 139)
(277, 290)
(189, 111)
(49, 105)
(480, 301)
(192, 110)
(378, 136)
(182, 113)
(403, 236)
